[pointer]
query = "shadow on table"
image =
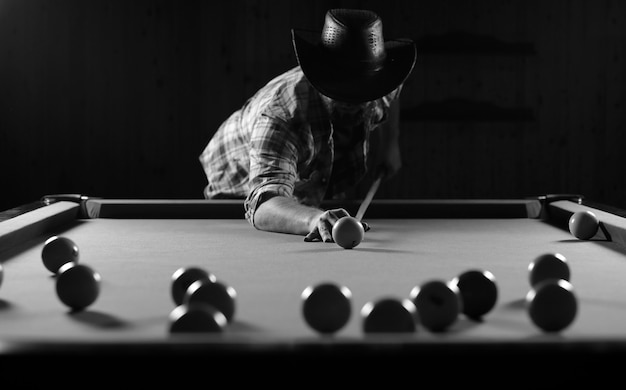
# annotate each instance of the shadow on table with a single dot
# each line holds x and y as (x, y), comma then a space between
(98, 319)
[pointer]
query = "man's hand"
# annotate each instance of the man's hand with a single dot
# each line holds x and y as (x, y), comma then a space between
(391, 161)
(286, 215)
(322, 228)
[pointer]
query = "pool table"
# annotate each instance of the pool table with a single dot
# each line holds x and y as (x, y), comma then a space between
(137, 244)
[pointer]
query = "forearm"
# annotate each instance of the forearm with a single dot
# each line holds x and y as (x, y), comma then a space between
(389, 160)
(285, 215)
(392, 126)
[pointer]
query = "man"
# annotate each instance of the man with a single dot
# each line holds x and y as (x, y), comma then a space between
(305, 136)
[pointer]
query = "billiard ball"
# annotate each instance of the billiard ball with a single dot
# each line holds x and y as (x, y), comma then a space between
(326, 307)
(389, 315)
(479, 292)
(196, 318)
(552, 304)
(77, 285)
(183, 277)
(215, 293)
(348, 232)
(548, 266)
(583, 224)
(438, 304)
(57, 251)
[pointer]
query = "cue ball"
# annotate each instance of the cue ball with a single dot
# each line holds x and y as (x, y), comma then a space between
(438, 304)
(548, 266)
(77, 285)
(183, 277)
(479, 292)
(552, 304)
(214, 293)
(348, 232)
(389, 315)
(583, 224)
(58, 251)
(326, 307)
(196, 318)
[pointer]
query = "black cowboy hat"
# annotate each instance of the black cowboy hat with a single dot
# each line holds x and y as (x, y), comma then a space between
(350, 61)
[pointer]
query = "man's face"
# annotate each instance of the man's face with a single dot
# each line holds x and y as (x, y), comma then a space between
(344, 112)
(347, 108)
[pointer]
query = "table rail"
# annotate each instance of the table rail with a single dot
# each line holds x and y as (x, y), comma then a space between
(52, 211)
(384, 208)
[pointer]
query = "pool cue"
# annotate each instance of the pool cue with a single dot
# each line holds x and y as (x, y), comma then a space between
(368, 198)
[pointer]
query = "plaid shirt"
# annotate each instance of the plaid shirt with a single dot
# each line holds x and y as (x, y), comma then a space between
(282, 142)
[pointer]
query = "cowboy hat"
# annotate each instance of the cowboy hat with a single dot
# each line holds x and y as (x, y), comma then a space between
(350, 61)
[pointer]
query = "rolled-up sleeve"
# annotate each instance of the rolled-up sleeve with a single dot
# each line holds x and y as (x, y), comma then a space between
(273, 162)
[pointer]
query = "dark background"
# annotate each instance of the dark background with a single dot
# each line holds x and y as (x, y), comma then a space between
(508, 99)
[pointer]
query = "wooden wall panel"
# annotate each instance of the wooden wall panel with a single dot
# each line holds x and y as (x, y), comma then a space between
(118, 98)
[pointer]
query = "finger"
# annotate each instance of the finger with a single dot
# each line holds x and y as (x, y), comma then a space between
(325, 232)
(343, 213)
(336, 215)
(312, 236)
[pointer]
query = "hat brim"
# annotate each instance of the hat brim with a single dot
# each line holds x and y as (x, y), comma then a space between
(353, 87)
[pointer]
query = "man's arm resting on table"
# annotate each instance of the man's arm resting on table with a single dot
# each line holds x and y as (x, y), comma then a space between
(285, 215)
